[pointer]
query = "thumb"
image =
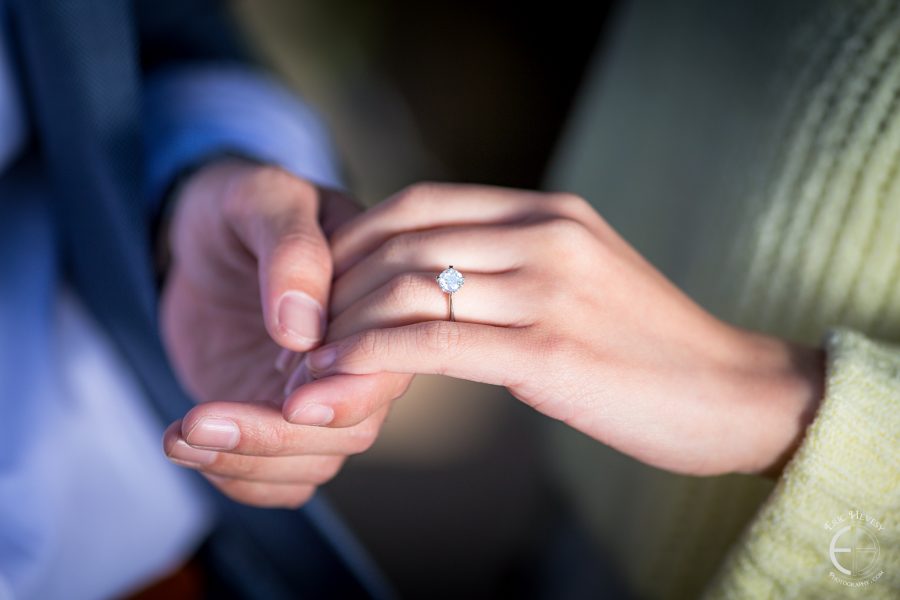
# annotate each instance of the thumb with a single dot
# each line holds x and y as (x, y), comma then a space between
(279, 225)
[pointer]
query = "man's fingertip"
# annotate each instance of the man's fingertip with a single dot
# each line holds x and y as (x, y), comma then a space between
(301, 319)
(322, 359)
(312, 414)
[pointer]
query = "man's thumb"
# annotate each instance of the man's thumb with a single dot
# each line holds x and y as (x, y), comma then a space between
(294, 261)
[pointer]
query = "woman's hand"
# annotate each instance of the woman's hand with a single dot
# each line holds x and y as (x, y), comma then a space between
(558, 308)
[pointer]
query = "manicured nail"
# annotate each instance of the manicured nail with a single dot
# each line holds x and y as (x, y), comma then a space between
(188, 455)
(321, 359)
(214, 433)
(300, 317)
(299, 377)
(312, 414)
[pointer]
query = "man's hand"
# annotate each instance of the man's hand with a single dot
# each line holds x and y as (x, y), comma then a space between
(250, 277)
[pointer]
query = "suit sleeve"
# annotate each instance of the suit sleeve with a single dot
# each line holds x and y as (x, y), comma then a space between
(203, 98)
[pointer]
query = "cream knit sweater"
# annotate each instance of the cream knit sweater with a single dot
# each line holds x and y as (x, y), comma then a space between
(752, 151)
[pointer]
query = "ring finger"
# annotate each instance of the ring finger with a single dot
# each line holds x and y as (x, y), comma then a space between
(490, 299)
(471, 249)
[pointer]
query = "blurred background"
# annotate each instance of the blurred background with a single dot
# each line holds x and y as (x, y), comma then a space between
(465, 90)
(455, 499)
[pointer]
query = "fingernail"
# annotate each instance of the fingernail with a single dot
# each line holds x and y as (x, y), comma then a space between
(299, 377)
(300, 317)
(312, 414)
(214, 433)
(321, 359)
(189, 455)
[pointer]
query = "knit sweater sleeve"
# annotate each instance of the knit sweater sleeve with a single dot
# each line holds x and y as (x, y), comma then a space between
(831, 523)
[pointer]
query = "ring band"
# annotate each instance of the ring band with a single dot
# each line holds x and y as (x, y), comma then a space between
(450, 281)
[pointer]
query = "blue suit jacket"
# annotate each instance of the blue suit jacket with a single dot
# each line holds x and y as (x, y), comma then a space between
(85, 61)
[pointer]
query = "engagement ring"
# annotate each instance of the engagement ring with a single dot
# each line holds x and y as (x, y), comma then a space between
(450, 281)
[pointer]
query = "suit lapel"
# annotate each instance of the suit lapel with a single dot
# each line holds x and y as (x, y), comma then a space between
(83, 85)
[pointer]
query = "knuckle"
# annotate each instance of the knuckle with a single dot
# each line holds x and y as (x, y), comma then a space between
(414, 195)
(368, 344)
(566, 236)
(569, 201)
(562, 229)
(245, 190)
(363, 436)
(396, 249)
(573, 206)
(440, 336)
(327, 470)
(394, 385)
(362, 442)
(579, 209)
(403, 198)
(302, 248)
(271, 176)
(403, 292)
(268, 439)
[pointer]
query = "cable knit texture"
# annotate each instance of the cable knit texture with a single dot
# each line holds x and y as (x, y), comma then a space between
(752, 152)
(848, 459)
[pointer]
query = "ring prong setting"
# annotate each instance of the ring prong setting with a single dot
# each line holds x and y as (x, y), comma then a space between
(450, 280)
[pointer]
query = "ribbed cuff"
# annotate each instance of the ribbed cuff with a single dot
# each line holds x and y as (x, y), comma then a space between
(847, 470)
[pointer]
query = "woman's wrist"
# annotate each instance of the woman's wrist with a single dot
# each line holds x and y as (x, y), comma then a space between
(781, 386)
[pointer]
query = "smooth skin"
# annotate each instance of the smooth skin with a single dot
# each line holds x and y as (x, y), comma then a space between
(562, 311)
(245, 296)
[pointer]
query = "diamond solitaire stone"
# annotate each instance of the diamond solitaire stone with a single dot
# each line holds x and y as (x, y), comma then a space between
(450, 280)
